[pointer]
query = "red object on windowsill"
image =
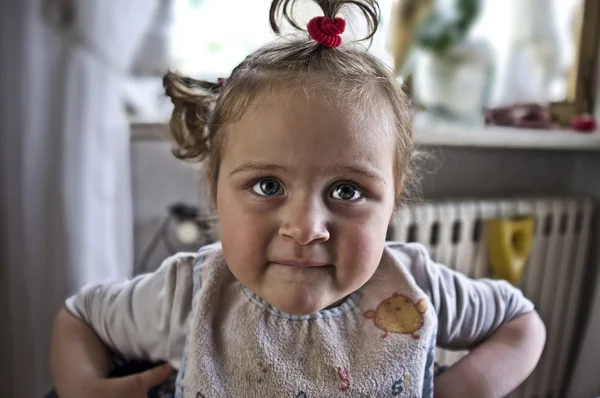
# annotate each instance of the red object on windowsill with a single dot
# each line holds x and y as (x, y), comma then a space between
(584, 123)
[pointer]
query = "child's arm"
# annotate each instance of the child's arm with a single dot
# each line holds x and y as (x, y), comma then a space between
(80, 363)
(76, 355)
(490, 317)
(141, 319)
(499, 364)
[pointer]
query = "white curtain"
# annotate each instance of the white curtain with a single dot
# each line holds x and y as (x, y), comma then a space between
(65, 192)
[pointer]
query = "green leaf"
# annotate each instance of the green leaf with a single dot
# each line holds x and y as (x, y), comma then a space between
(440, 31)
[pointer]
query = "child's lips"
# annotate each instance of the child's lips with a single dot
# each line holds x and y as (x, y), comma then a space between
(301, 263)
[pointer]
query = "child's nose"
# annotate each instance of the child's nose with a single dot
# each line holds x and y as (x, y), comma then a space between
(305, 222)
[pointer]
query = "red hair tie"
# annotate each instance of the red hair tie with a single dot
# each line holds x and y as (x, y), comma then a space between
(326, 31)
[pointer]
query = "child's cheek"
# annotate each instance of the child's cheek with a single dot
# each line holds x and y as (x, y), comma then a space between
(359, 249)
(241, 235)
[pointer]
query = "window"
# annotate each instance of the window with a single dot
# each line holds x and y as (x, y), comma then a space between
(206, 39)
(497, 24)
(211, 37)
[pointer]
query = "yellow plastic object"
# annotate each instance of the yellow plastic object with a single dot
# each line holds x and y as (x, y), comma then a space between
(509, 244)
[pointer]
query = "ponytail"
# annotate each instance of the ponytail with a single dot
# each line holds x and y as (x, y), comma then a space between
(194, 102)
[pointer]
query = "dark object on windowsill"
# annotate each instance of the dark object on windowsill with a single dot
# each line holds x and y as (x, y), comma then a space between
(530, 116)
(584, 123)
(183, 212)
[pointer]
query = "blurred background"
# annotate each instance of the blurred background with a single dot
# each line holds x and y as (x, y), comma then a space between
(504, 99)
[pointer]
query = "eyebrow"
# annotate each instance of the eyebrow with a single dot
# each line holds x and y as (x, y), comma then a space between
(358, 169)
(258, 167)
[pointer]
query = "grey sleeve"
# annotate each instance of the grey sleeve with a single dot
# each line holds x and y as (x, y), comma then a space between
(468, 310)
(144, 318)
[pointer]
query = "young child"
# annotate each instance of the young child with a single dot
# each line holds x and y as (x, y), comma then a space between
(308, 146)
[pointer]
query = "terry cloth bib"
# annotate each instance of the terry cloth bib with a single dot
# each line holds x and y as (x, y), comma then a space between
(379, 342)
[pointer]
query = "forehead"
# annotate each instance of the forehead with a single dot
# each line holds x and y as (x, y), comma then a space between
(294, 127)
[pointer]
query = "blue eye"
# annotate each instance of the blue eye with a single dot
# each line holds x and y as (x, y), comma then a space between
(267, 187)
(346, 192)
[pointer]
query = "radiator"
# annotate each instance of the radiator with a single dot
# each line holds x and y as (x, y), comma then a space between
(455, 234)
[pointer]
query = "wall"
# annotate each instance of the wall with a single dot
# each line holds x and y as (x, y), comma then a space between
(584, 379)
(159, 180)
(460, 172)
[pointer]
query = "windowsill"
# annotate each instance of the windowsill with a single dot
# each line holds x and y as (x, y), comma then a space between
(448, 135)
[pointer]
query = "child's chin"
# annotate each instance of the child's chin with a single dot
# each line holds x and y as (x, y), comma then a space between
(301, 305)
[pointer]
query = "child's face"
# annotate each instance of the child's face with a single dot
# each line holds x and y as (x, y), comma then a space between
(304, 195)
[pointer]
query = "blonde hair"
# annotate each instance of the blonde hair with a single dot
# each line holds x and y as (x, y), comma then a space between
(202, 109)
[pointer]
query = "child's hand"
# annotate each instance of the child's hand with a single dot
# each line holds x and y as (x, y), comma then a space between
(134, 386)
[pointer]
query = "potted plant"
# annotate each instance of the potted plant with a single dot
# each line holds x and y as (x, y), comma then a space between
(452, 72)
